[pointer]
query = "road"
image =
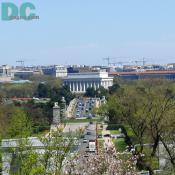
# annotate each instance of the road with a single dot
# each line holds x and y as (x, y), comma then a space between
(89, 134)
(84, 108)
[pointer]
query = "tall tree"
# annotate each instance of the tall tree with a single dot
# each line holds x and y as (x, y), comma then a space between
(20, 126)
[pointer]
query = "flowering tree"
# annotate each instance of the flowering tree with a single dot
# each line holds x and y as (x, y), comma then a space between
(105, 163)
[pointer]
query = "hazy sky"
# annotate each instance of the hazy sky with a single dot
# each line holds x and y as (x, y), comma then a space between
(85, 31)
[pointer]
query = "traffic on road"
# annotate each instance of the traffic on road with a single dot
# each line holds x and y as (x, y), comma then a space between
(84, 108)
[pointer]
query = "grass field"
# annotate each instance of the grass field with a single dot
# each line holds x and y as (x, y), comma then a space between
(114, 132)
(120, 144)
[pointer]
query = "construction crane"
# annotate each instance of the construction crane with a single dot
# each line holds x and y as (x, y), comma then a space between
(110, 63)
(140, 61)
(21, 62)
(108, 59)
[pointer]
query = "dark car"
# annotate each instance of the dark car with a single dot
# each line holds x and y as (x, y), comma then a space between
(88, 133)
(107, 135)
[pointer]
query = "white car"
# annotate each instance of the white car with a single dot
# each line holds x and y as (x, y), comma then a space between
(77, 115)
(85, 140)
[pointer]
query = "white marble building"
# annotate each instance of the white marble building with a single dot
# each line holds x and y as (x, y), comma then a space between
(55, 71)
(6, 73)
(79, 82)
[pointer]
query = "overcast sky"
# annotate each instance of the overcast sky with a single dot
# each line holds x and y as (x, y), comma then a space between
(85, 31)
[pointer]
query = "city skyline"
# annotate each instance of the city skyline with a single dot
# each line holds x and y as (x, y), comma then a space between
(86, 32)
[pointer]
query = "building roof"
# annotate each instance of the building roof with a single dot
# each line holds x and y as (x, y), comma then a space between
(141, 73)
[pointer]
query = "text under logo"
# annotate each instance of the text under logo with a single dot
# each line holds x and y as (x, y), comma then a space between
(11, 11)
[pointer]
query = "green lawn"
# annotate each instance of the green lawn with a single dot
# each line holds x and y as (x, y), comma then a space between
(99, 131)
(114, 132)
(129, 131)
(120, 144)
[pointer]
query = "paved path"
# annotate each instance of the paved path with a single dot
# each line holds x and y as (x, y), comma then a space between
(73, 127)
(108, 144)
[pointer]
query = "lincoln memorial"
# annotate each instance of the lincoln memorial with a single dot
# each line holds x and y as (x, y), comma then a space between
(79, 82)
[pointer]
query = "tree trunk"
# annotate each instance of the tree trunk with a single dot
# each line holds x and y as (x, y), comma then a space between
(156, 143)
(141, 162)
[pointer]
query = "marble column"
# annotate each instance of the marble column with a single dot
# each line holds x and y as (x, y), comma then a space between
(88, 84)
(70, 85)
(105, 84)
(94, 85)
(81, 87)
(91, 84)
(84, 86)
(73, 86)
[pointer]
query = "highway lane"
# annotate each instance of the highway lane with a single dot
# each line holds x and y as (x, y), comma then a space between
(84, 108)
(89, 134)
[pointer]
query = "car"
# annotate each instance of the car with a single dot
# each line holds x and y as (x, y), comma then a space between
(82, 136)
(117, 136)
(99, 136)
(86, 155)
(107, 135)
(85, 140)
(93, 115)
(77, 115)
(78, 110)
(88, 133)
(90, 115)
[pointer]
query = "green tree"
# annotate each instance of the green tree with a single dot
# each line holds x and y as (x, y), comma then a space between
(20, 126)
(90, 92)
(58, 92)
(44, 90)
(114, 88)
(145, 106)
(26, 160)
(101, 91)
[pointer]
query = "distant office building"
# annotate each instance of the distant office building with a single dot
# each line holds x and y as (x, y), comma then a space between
(84, 68)
(171, 66)
(23, 74)
(79, 82)
(55, 71)
(26, 72)
(144, 75)
(6, 73)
